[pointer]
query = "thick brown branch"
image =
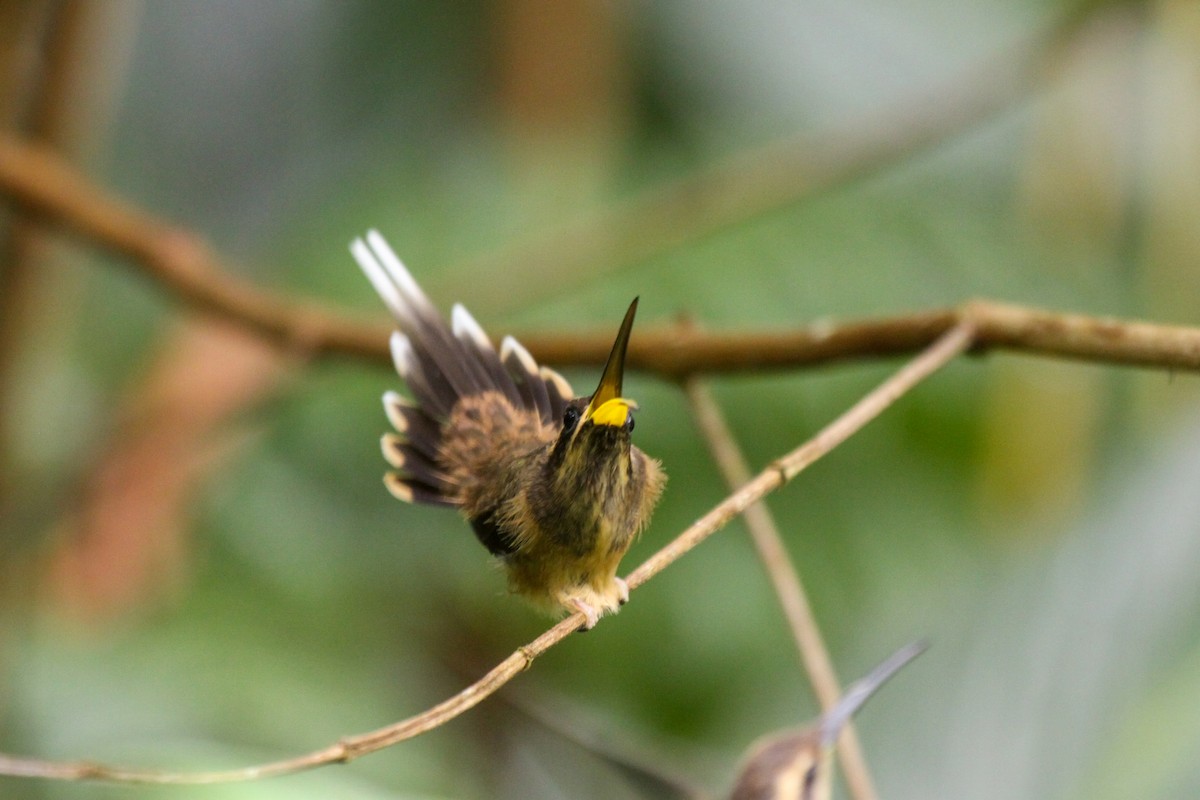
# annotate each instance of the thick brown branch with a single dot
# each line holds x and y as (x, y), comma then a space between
(42, 184)
(659, 219)
(1101, 339)
(45, 186)
(954, 343)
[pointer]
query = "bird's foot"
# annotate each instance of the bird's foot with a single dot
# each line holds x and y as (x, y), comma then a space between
(622, 590)
(591, 615)
(594, 602)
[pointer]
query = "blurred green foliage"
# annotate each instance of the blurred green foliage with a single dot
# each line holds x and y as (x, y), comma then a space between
(1062, 607)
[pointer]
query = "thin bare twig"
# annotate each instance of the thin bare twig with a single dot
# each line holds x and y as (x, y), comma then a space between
(785, 579)
(954, 343)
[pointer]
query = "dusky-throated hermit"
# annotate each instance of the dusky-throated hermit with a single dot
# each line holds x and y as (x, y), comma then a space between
(551, 483)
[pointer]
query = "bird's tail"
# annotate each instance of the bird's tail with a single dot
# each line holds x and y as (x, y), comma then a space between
(441, 364)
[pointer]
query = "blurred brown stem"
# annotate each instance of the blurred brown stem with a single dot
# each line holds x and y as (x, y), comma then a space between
(42, 184)
(945, 349)
(44, 70)
(785, 579)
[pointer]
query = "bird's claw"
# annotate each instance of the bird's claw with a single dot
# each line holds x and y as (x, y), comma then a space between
(591, 615)
(622, 591)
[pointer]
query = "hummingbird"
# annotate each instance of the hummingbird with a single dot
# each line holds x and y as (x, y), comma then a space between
(551, 483)
(798, 764)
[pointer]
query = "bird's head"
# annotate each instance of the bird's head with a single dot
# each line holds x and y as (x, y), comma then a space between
(798, 764)
(596, 429)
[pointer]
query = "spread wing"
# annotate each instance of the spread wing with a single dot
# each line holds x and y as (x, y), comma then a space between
(442, 365)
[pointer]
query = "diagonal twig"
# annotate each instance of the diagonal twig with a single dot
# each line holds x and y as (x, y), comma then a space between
(952, 344)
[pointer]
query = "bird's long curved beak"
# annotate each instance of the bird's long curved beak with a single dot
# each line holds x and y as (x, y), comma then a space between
(607, 406)
(861, 691)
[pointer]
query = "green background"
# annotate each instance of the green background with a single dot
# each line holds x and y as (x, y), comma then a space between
(1038, 521)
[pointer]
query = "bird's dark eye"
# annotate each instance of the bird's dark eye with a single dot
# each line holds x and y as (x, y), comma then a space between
(629, 422)
(810, 781)
(570, 418)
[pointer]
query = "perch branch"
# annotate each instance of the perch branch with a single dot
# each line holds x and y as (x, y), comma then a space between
(785, 579)
(945, 349)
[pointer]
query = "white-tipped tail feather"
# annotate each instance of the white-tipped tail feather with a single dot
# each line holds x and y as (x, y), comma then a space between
(442, 364)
